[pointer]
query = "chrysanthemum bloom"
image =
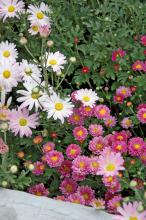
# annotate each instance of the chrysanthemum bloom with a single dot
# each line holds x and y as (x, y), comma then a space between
(3, 147)
(101, 111)
(80, 133)
(129, 212)
(110, 163)
(11, 8)
(38, 190)
(125, 91)
(97, 144)
(87, 97)
(120, 136)
(93, 165)
(75, 118)
(114, 188)
(21, 122)
(110, 121)
(39, 168)
(126, 123)
(58, 108)
(136, 146)
(87, 192)
(4, 114)
(65, 168)
(144, 64)
(73, 150)
(143, 157)
(8, 51)
(54, 158)
(81, 165)
(47, 147)
(96, 130)
(119, 146)
(118, 54)
(114, 203)
(140, 106)
(141, 115)
(76, 198)
(61, 198)
(78, 176)
(110, 180)
(137, 66)
(109, 139)
(98, 203)
(86, 111)
(73, 96)
(143, 40)
(119, 98)
(38, 139)
(68, 186)
(34, 29)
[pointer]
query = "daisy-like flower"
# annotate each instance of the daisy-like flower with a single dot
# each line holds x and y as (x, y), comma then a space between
(110, 163)
(96, 130)
(141, 115)
(120, 136)
(110, 181)
(137, 65)
(34, 29)
(114, 203)
(76, 198)
(126, 123)
(21, 122)
(47, 147)
(58, 108)
(118, 54)
(78, 176)
(8, 51)
(81, 165)
(93, 165)
(3, 147)
(54, 158)
(38, 190)
(136, 146)
(119, 146)
(143, 157)
(80, 133)
(110, 121)
(86, 111)
(39, 168)
(72, 151)
(87, 96)
(119, 98)
(68, 186)
(98, 203)
(56, 61)
(129, 212)
(124, 91)
(30, 72)
(65, 168)
(97, 144)
(101, 111)
(11, 8)
(38, 14)
(76, 118)
(87, 192)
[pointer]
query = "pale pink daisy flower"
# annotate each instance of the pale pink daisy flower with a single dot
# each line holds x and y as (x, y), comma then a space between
(96, 130)
(93, 165)
(87, 97)
(125, 91)
(65, 168)
(21, 122)
(129, 212)
(87, 193)
(8, 51)
(101, 111)
(54, 158)
(97, 144)
(76, 198)
(110, 121)
(136, 146)
(73, 150)
(98, 203)
(114, 203)
(47, 147)
(39, 168)
(80, 133)
(68, 186)
(81, 165)
(34, 29)
(3, 147)
(76, 118)
(119, 146)
(38, 190)
(126, 123)
(11, 8)
(141, 115)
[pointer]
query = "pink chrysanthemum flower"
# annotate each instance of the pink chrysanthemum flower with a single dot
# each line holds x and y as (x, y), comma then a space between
(126, 123)
(87, 193)
(125, 91)
(68, 186)
(137, 66)
(54, 158)
(109, 181)
(39, 168)
(38, 190)
(47, 147)
(101, 111)
(61, 198)
(120, 136)
(109, 139)
(65, 168)
(129, 211)
(114, 203)
(76, 118)
(3, 147)
(119, 146)
(144, 66)
(140, 106)
(110, 163)
(143, 157)
(93, 165)
(114, 188)
(118, 54)
(98, 203)
(96, 130)
(73, 96)
(21, 122)
(78, 176)
(76, 198)
(110, 121)
(81, 165)
(4, 114)
(141, 115)
(119, 98)
(72, 151)
(97, 144)
(80, 133)
(143, 40)
(136, 146)
(86, 111)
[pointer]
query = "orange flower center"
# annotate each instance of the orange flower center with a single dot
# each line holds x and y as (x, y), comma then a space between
(80, 133)
(137, 146)
(54, 158)
(144, 115)
(81, 164)
(102, 111)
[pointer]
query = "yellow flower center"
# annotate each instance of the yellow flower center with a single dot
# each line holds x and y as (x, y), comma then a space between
(53, 62)
(95, 164)
(133, 218)
(138, 66)
(76, 117)
(86, 98)
(3, 117)
(128, 122)
(98, 204)
(123, 91)
(72, 151)
(6, 53)
(80, 133)
(28, 71)
(144, 115)
(22, 122)
(59, 106)
(6, 74)
(86, 196)
(48, 148)
(87, 109)
(120, 137)
(137, 146)
(81, 164)
(38, 194)
(110, 167)
(35, 95)
(102, 111)
(35, 28)
(76, 201)
(110, 178)
(40, 15)
(99, 146)
(54, 158)
(69, 188)
(119, 147)
(11, 8)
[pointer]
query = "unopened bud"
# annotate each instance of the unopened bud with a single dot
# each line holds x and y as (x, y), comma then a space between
(140, 208)
(72, 59)
(23, 40)
(4, 183)
(31, 167)
(13, 169)
(133, 183)
(50, 43)
(4, 126)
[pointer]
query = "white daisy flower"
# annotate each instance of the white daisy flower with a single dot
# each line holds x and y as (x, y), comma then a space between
(9, 75)
(34, 29)
(38, 14)
(56, 61)
(87, 96)
(58, 108)
(30, 72)
(11, 8)
(8, 51)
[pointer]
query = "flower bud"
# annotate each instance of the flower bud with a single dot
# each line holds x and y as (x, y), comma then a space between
(4, 126)
(31, 167)
(101, 100)
(59, 73)
(133, 183)
(140, 208)
(23, 40)
(13, 169)
(72, 59)
(126, 199)
(50, 43)
(44, 133)
(4, 184)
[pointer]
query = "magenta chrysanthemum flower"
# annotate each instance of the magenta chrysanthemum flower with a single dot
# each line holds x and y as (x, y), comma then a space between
(98, 203)
(93, 165)
(109, 181)
(54, 158)
(80, 133)
(114, 203)
(78, 176)
(136, 146)
(81, 165)
(140, 106)
(143, 40)
(86, 111)
(129, 211)
(110, 121)
(141, 115)
(38, 190)
(137, 66)
(144, 66)
(124, 91)
(96, 130)
(65, 168)
(114, 188)
(97, 144)
(120, 136)
(21, 122)
(126, 123)
(87, 193)
(76, 118)
(101, 111)
(119, 146)
(118, 54)
(119, 98)
(72, 151)
(3, 147)
(143, 157)
(47, 147)
(73, 96)
(68, 186)
(76, 198)
(61, 198)
(39, 168)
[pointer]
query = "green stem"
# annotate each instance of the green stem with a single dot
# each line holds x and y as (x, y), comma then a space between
(35, 60)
